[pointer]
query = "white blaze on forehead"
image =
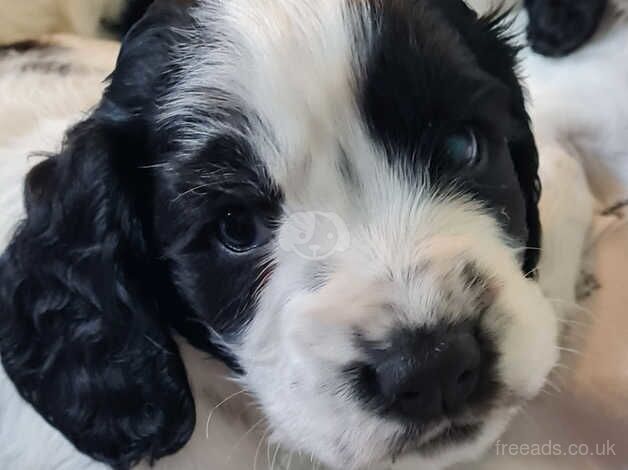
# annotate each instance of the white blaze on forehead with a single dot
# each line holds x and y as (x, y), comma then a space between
(291, 63)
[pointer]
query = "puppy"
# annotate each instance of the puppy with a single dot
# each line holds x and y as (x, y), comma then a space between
(557, 28)
(578, 103)
(337, 201)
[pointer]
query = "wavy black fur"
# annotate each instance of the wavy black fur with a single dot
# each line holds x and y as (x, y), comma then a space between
(82, 333)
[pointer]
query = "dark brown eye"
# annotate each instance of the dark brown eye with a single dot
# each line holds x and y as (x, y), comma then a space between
(462, 148)
(241, 230)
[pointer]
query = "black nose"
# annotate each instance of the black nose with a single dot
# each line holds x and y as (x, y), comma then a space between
(428, 374)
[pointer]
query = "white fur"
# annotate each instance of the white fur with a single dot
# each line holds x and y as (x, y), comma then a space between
(587, 116)
(296, 59)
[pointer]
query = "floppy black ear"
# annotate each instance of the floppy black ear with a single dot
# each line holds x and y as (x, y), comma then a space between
(82, 333)
(525, 157)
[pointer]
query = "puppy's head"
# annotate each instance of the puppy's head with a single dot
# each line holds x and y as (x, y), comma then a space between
(335, 198)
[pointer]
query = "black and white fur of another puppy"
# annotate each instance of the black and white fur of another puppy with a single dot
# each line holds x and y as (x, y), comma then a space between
(336, 200)
(557, 28)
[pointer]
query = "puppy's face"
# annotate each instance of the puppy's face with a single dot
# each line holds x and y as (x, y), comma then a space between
(338, 199)
(351, 224)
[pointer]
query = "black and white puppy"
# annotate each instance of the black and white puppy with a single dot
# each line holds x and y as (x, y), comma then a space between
(338, 199)
(558, 27)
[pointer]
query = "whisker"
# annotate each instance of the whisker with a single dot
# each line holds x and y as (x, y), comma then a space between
(272, 462)
(573, 305)
(190, 191)
(267, 267)
(268, 446)
(289, 463)
(554, 387)
(249, 431)
(549, 394)
(155, 165)
(560, 365)
(574, 322)
(211, 413)
(157, 345)
(570, 350)
(577, 335)
(259, 446)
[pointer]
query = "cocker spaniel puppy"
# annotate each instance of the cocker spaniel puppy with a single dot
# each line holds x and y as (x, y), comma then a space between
(337, 201)
(556, 28)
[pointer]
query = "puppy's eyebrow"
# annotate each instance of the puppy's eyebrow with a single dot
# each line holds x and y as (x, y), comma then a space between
(490, 104)
(228, 166)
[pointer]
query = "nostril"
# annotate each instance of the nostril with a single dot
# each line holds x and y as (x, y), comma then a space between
(458, 392)
(425, 402)
(462, 375)
(466, 377)
(410, 396)
(425, 375)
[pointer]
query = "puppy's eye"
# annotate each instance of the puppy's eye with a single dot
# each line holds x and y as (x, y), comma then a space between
(241, 230)
(462, 148)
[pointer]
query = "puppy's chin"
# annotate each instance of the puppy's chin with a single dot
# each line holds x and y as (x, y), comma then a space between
(455, 445)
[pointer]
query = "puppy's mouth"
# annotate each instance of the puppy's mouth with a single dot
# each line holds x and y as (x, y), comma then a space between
(441, 436)
(452, 434)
